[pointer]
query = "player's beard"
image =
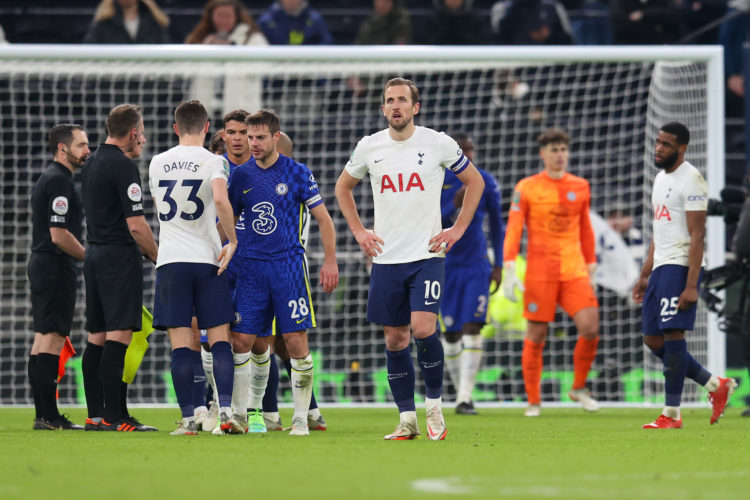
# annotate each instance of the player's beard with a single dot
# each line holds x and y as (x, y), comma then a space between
(667, 162)
(402, 126)
(76, 161)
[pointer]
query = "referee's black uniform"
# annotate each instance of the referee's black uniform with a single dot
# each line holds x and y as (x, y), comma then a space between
(52, 279)
(111, 192)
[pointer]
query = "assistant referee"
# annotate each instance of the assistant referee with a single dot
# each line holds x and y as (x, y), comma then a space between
(56, 245)
(118, 236)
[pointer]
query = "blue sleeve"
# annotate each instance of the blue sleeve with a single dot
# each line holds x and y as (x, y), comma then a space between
(235, 191)
(495, 217)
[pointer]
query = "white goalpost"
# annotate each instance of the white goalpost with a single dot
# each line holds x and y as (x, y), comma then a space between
(611, 101)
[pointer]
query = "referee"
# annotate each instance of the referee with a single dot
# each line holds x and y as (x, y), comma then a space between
(118, 235)
(56, 245)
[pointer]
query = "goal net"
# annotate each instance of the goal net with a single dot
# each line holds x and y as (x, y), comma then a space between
(611, 101)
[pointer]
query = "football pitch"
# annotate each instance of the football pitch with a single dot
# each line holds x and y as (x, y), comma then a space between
(565, 453)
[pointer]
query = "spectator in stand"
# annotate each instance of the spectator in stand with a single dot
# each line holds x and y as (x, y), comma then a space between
(388, 24)
(645, 22)
(531, 22)
(695, 14)
(455, 23)
(226, 22)
(732, 34)
(128, 21)
(294, 22)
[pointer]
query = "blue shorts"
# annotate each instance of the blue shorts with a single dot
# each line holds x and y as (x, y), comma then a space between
(184, 288)
(660, 301)
(465, 298)
(396, 290)
(273, 288)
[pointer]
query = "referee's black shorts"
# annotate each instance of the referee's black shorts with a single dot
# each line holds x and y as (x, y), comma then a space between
(53, 292)
(114, 287)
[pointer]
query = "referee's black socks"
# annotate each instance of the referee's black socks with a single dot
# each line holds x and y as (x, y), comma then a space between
(46, 374)
(91, 363)
(112, 365)
(33, 358)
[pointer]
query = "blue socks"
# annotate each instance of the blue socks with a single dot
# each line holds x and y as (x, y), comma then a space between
(675, 370)
(401, 378)
(223, 372)
(182, 380)
(431, 359)
(270, 399)
(695, 370)
(199, 380)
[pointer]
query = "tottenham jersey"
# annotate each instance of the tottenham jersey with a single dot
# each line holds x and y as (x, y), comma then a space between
(180, 182)
(406, 179)
(272, 201)
(683, 190)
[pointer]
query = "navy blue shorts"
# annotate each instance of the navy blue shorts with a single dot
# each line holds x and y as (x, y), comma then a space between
(466, 294)
(273, 288)
(184, 288)
(396, 290)
(660, 310)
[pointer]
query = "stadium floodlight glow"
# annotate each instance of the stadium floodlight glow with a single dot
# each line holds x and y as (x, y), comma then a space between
(611, 100)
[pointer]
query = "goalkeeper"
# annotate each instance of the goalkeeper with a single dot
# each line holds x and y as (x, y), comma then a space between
(554, 207)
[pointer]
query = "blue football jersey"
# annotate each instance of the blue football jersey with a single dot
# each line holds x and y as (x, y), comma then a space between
(272, 203)
(471, 249)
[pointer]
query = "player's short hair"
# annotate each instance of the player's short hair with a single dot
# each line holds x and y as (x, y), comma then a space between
(285, 144)
(460, 136)
(267, 117)
(216, 144)
(394, 82)
(61, 133)
(122, 119)
(553, 136)
(238, 115)
(190, 117)
(678, 130)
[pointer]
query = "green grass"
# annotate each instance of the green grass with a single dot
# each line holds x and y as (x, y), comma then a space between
(563, 454)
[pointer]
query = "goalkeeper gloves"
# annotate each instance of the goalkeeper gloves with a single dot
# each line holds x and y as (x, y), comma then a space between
(510, 281)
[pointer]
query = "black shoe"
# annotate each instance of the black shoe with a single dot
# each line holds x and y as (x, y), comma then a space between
(141, 427)
(466, 409)
(127, 424)
(94, 424)
(42, 424)
(66, 425)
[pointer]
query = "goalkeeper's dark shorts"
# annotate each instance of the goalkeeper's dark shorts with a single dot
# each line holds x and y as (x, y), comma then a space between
(53, 292)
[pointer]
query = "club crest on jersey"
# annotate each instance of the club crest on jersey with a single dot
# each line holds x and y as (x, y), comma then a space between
(134, 192)
(571, 196)
(421, 157)
(399, 184)
(282, 189)
(661, 212)
(533, 307)
(60, 205)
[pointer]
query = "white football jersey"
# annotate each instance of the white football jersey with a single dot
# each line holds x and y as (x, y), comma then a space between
(406, 179)
(683, 190)
(180, 182)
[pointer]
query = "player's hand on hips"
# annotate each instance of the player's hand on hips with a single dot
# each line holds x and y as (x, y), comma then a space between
(369, 242)
(688, 298)
(227, 252)
(639, 289)
(510, 281)
(445, 240)
(329, 276)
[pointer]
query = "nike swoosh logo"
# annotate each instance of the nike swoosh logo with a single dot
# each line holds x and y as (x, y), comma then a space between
(247, 191)
(429, 303)
(378, 161)
(301, 320)
(664, 320)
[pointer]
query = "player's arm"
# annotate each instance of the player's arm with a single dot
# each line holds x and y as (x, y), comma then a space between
(144, 238)
(329, 271)
(696, 223)
(588, 240)
(226, 220)
(65, 241)
(368, 241)
(496, 228)
(474, 183)
(512, 244)
(642, 282)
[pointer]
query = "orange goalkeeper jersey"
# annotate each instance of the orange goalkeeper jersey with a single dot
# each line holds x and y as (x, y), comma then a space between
(559, 233)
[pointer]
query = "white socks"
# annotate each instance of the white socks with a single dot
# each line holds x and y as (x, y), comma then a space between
(259, 367)
(208, 367)
(672, 412)
(712, 384)
(301, 381)
(241, 389)
(452, 351)
(471, 359)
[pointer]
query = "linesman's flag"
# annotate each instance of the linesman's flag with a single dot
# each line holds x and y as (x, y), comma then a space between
(138, 346)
